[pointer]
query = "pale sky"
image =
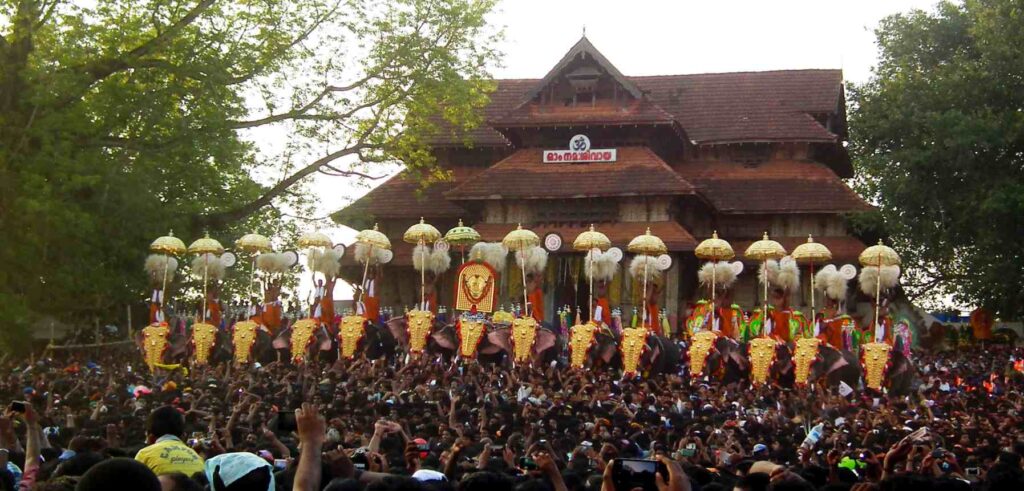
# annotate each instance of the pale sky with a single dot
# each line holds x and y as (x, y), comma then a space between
(648, 37)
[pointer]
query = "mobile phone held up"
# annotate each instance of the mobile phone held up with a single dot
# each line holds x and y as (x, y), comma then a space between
(637, 473)
(527, 464)
(286, 422)
(18, 406)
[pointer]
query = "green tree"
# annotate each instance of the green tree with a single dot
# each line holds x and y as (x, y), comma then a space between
(121, 119)
(938, 138)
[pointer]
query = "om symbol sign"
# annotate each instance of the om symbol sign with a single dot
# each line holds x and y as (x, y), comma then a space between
(579, 143)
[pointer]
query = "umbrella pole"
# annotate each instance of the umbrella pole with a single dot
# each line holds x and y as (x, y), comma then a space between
(206, 275)
(423, 276)
(643, 316)
(163, 289)
(714, 281)
(366, 272)
(590, 314)
(765, 319)
(252, 277)
(814, 318)
(526, 301)
(878, 293)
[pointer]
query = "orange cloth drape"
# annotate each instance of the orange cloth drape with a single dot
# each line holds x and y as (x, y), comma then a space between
(270, 317)
(154, 312)
(372, 308)
(327, 304)
(213, 312)
(832, 333)
(606, 310)
(536, 299)
(725, 320)
(780, 324)
(654, 318)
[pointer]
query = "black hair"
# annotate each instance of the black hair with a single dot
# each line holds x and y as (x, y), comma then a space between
(165, 420)
(119, 473)
(182, 482)
(485, 481)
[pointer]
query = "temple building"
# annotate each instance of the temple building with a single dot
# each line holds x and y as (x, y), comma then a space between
(737, 153)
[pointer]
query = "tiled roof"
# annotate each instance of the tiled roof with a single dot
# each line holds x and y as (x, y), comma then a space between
(771, 187)
(522, 175)
(749, 106)
(843, 248)
(401, 197)
(506, 96)
(711, 107)
(641, 111)
(676, 237)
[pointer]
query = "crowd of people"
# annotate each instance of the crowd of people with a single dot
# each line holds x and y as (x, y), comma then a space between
(96, 420)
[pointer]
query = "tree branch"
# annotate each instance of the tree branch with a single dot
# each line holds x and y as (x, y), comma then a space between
(101, 69)
(336, 172)
(220, 218)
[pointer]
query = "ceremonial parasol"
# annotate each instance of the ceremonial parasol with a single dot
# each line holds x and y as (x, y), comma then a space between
(315, 239)
(519, 240)
(168, 245)
(764, 250)
(315, 242)
(879, 255)
(588, 241)
(648, 245)
(373, 238)
(462, 236)
(421, 234)
(812, 252)
(714, 250)
(205, 246)
(254, 244)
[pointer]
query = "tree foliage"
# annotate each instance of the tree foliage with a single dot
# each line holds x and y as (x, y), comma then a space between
(121, 119)
(938, 138)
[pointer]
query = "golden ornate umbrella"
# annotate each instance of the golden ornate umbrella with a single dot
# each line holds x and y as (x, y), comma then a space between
(519, 240)
(714, 250)
(373, 238)
(764, 250)
(650, 245)
(879, 255)
(315, 239)
(647, 244)
(588, 241)
(205, 246)
(812, 252)
(254, 244)
(462, 236)
(168, 245)
(422, 234)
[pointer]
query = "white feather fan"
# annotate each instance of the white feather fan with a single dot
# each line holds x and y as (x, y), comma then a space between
(783, 274)
(208, 265)
(536, 259)
(605, 265)
(869, 278)
(440, 261)
(769, 268)
(637, 268)
(492, 253)
(724, 275)
(420, 254)
(273, 262)
(362, 250)
(156, 264)
(328, 262)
